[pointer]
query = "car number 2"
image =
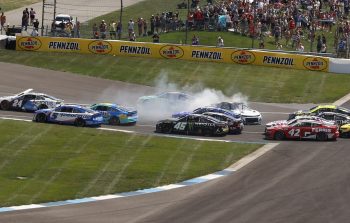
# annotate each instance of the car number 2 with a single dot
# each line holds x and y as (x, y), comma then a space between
(180, 126)
(294, 132)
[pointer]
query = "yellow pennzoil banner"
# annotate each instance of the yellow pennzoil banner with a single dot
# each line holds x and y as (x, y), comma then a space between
(173, 51)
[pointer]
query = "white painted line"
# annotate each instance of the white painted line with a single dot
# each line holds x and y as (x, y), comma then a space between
(210, 176)
(16, 116)
(106, 197)
(16, 119)
(115, 130)
(24, 207)
(342, 100)
(251, 157)
(170, 186)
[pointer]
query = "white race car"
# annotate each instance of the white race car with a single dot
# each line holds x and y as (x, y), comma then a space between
(29, 101)
(249, 116)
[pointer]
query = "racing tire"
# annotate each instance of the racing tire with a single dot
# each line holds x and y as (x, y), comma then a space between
(114, 121)
(5, 105)
(321, 136)
(40, 118)
(207, 132)
(279, 135)
(167, 130)
(79, 122)
(42, 107)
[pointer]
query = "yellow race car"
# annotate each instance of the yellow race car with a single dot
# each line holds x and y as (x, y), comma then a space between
(320, 109)
(345, 131)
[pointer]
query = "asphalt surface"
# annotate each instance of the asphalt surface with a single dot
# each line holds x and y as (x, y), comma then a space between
(297, 181)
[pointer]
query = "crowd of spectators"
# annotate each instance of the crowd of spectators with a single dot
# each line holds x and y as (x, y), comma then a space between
(287, 21)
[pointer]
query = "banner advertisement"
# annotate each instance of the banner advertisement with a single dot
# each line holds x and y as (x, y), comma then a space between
(174, 51)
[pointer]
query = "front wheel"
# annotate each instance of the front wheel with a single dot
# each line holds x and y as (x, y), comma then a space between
(114, 121)
(279, 135)
(5, 105)
(80, 122)
(40, 117)
(321, 136)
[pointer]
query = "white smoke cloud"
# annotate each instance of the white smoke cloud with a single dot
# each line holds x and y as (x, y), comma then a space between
(201, 97)
(128, 95)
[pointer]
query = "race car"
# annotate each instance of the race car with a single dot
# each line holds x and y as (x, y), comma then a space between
(233, 114)
(319, 109)
(167, 98)
(114, 114)
(344, 131)
(29, 101)
(303, 129)
(297, 118)
(194, 124)
(249, 116)
(69, 114)
(235, 125)
(338, 118)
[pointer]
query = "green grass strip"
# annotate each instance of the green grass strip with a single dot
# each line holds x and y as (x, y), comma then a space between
(46, 162)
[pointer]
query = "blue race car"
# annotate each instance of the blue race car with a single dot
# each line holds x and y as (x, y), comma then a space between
(69, 114)
(234, 114)
(114, 114)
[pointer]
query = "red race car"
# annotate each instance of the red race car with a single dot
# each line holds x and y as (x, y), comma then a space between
(303, 129)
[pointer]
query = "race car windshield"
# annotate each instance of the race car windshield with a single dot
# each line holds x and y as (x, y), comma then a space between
(51, 97)
(60, 19)
(212, 119)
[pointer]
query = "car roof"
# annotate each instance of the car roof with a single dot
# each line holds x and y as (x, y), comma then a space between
(325, 106)
(216, 113)
(63, 15)
(106, 104)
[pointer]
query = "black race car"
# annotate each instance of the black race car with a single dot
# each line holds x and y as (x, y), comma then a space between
(235, 125)
(193, 124)
(339, 118)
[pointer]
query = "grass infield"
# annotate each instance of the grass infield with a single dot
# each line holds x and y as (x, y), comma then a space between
(46, 162)
(263, 84)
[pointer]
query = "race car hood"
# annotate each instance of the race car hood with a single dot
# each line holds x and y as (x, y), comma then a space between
(46, 110)
(278, 122)
(145, 98)
(9, 98)
(180, 114)
(250, 113)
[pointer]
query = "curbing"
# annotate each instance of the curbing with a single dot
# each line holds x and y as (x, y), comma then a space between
(228, 171)
(342, 100)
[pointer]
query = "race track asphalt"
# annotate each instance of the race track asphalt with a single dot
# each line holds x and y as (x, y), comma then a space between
(297, 181)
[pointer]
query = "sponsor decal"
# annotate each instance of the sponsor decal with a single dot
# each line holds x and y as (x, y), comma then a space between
(29, 43)
(100, 47)
(58, 45)
(171, 52)
(243, 57)
(286, 61)
(315, 63)
(202, 54)
(138, 50)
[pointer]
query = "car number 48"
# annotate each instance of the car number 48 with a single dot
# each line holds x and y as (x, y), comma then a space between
(294, 132)
(180, 126)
